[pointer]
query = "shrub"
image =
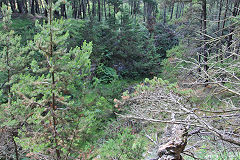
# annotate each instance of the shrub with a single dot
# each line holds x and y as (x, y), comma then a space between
(124, 147)
(106, 74)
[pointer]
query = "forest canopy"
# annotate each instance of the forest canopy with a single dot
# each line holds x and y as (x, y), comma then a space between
(119, 79)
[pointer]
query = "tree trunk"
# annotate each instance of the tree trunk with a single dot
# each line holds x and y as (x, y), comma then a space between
(109, 11)
(94, 8)
(219, 14)
(20, 6)
(89, 9)
(99, 10)
(13, 6)
(45, 9)
(172, 10)
(80, 10)
(105, 9)
(25, 6)
(177, 10)
(53, 105)
(37, 7)
(230, 37)
(144, 11)
(225, 16)
(205, 53)
(74, 9)
(218, 29)
(175, 144)
(83, 9)
(164, 14)
(33, 7)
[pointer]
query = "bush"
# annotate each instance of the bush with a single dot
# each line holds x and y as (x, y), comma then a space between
(124, 147)
(106, 74)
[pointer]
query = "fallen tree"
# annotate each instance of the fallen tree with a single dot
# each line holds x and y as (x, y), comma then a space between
(157, 101)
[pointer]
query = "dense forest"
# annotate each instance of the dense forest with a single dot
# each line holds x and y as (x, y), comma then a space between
(120, 79)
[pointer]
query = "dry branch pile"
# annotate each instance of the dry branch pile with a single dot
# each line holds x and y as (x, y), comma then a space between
(161, 102)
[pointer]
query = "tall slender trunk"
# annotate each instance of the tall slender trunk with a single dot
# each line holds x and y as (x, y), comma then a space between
(232, 27)
(80, 10)
(225, 16)
(37, 7)
(199, 54)
(20, 6)
(183, 6)
(94, 8)
(63, 11)
(83, 9)
(74, 9)
(53, 105)
(25, 6)
(109, 11)
(13, 6)
(89, 9)
(33, 7)
(219, 14)
(99, 10)
(144, 11)
(218, 29)
(9, 92)
(164, 14)
(105, 9)
(223, 25)
(172, 9)
(114, 11)
(45, 9)
(205, 53)
(177, 10)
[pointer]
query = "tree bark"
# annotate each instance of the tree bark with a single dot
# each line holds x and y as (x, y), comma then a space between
(63, 11)
(175, 145)
(20, 6)
(94, 8)
(74, 9)
(172, 10)
(53, 105)
(177, 10)
(225, 16)
(205, 53)
(37, 7)
(99, 10)
(45, 9)
(83, 9)
(33, 7)
(230, 37)
(13, 6)
(105, 9)
(164, 14)
(89, 9)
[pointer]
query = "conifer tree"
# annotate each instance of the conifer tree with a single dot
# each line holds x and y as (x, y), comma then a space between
(49, 91)
(12, 61)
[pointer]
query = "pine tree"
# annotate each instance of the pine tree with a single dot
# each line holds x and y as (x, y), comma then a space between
(12, 61)
(49, 92)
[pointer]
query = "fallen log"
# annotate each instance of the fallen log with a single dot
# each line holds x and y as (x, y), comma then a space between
(172, 149)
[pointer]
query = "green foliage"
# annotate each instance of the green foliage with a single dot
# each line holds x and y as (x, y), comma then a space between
(53, 81)
(114, 89)
(170, 65)
(12, 61)
(206, 154)
(25, 27)
(124, 147)
(106, 74)
(123, 43)
(22, 25)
